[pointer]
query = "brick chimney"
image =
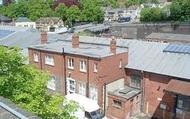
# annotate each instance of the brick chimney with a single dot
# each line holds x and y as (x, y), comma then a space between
(75, 41)
(113, 45)
(44, 38)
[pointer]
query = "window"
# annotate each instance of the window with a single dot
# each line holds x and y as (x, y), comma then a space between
(49, 60)
(120, 63)
(70, 63)
(51, 83)
(82, 89)
(94, 93)
(183, 103)
(35, 57)
(83, 65)
(117, 103)
(71, 86)
(95, 67)
(135, 81)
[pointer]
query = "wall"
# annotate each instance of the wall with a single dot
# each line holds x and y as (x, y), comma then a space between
(26, 24)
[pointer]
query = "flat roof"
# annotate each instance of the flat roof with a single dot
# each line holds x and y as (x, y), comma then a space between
(126, 92)
(85, 49)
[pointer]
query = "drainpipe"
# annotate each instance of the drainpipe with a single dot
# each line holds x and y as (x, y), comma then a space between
(40, 60)
(104, 99)
(88, 76)
(143, 91)
(64, 71)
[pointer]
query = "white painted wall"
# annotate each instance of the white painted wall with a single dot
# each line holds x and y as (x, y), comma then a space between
(26, 24)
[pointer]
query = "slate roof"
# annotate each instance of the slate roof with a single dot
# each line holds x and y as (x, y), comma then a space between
(85, 49)
(23, 19)
(47, 20)
(9, 110)
(169, 37)
(4, 18)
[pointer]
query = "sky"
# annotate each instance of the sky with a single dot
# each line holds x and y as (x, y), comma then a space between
(0, 1)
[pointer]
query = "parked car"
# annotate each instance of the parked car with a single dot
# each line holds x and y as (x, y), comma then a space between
(90, 109)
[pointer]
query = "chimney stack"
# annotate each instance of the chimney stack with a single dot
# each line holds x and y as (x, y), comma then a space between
(44, 38)
(75, 41)
(113, 45)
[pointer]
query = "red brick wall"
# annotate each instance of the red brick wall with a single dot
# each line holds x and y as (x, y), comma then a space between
(108, 69)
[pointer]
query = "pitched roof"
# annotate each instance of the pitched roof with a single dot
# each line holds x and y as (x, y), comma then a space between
(150, 56)
(23, 19)
(47, 20)
(9, 110)
(4, 18)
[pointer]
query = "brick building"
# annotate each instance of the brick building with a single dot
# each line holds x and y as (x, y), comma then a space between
(78, 67)
(125, 77)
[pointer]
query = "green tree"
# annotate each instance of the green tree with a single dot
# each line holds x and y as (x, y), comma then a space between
(61, 11)
(91, 11)
(151, 15)
(27, 87)
(180, 10)
(72, 15)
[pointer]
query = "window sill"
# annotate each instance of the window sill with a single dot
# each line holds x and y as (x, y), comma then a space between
(82, 71)
(71, 68)
(50, 64)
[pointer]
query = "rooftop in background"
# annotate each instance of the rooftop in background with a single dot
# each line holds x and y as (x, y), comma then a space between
(47, 20)
(126, 92)
(9, 110)
(4, 19)
(85, 49)
(169, 37)
(23, 19)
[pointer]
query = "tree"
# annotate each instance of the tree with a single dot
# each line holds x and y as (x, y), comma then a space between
(180, 10)
(91, 11)
(61, 11)
(27, 87)
(151, 15)
(72, 15)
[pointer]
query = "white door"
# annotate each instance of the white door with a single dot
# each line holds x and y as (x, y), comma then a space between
(71, 86)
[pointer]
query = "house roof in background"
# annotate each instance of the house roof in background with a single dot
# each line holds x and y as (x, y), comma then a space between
(8, 110)
(4, 18)
(23, 19)
(47, 20)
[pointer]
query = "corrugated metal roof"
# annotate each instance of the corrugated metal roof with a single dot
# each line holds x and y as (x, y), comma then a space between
(23, 19)
(149, 56)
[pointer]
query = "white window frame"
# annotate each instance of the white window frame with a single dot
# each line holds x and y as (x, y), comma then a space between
(94, 93)
(70, 86)
(49, 60)
(83, 66)
(95, 67)
(35, 56)
(70, 63)
(120, 63)
(52, 83)
(82, 89)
